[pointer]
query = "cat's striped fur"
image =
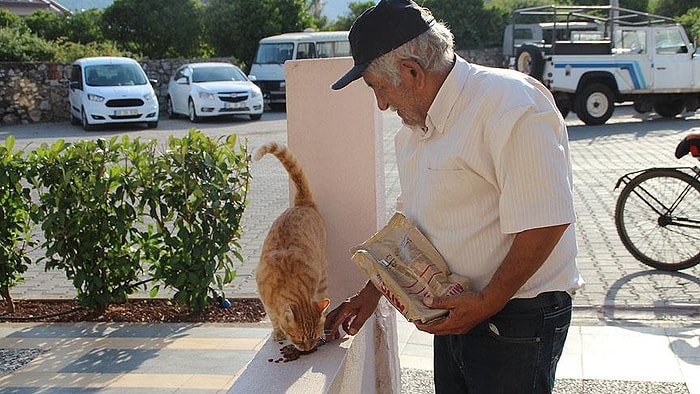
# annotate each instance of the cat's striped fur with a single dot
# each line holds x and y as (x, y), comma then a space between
(292, 273)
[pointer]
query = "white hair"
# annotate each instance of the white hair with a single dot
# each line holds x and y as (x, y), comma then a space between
(433, 50)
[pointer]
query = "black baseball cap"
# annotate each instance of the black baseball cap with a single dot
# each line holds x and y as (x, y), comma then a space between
(381, 29)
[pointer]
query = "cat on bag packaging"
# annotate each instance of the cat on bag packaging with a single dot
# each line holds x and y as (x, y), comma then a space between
(402, 264)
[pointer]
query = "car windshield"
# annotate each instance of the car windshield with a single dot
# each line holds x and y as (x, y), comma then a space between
(214, 74)
(274, 53)
(114, 75)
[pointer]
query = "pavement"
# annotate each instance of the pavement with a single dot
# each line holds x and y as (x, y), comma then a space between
(634, 330)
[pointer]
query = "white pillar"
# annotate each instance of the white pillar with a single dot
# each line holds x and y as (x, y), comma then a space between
(337, 137)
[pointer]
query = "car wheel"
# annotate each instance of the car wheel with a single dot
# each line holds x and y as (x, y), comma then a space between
(255, 116)
(668, 109)
(86, 125)
(192, 112)
(595, 104)
(170, 109)
(528, 60)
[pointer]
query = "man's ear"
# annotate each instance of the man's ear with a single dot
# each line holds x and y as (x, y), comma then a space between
(414, 71)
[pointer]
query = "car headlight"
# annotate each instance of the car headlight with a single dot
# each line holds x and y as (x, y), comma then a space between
(206, 96)
(255, 92)
(150, 97)
(96, 98)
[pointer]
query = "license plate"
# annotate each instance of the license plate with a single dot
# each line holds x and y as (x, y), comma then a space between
(126, 112)
(235, 105)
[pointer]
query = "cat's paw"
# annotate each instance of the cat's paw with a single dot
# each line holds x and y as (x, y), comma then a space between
(278, 335)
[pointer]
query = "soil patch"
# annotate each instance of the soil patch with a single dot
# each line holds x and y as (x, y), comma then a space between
(154, 310)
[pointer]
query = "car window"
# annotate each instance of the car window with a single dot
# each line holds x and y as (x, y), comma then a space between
(215, 74)
(274, 53)
(114, 75)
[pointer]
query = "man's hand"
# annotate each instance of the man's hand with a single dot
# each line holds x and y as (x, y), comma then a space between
(466, 311)
(352, 313)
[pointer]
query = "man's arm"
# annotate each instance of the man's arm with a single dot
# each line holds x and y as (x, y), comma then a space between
(528, 252)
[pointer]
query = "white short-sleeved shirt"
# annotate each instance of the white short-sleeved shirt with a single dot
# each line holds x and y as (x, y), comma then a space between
(493, 162)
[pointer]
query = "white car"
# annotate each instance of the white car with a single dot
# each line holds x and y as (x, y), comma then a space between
(106, 90)
(212, 89)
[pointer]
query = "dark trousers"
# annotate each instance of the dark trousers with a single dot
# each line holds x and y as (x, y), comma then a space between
(514, 352)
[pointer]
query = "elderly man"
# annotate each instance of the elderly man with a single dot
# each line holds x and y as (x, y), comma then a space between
(485, 174)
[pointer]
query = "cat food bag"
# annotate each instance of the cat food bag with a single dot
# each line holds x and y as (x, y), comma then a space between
(401, 262)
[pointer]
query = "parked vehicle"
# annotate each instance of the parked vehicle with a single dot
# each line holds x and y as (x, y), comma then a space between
(273, 52)
(643, 58)
(543, 34)
(105, 90)
(200, 90)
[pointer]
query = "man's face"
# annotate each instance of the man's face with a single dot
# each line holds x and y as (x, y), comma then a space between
(403, 99)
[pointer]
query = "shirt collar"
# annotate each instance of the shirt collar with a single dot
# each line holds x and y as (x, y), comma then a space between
(441, 108)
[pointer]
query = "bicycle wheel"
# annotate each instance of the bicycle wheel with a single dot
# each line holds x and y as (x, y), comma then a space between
(657, 217)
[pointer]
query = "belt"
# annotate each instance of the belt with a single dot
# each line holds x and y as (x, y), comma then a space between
(543, 300)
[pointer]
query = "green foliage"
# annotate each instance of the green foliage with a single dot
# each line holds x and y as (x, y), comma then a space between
(196, 197)
(691, 21)
(85, 27)
(107, 208)
(16, 46)
(8, 19)
(68, 51)
(169, 28)
(472, 25)
(672, 8)
(86, 194)
(234, 27)
(15, 205)
(46, 24)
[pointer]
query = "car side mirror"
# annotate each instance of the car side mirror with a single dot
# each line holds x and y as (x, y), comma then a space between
(252, 78)
(74, 85)
(183, 81)
(153, 81)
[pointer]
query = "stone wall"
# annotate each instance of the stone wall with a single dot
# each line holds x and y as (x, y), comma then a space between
(34, 92)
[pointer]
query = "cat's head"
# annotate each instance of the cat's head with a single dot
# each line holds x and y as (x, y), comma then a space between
(303, 323)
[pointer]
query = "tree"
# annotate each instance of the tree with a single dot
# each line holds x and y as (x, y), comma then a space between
(234, 27)
(673, 8)
(691, 21)
(84, 27)
(46, 24)
(17, 45)
(472, 25)
(8, 19)
(155, 28)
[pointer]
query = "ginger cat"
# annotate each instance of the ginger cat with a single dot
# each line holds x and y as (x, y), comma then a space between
(292, 273)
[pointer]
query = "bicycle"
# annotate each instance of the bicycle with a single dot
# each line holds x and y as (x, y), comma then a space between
(657, 214)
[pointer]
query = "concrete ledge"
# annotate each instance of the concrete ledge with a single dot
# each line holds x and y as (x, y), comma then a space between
(318, 372)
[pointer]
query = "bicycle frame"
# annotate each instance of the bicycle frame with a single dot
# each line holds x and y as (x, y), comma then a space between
(665, 213)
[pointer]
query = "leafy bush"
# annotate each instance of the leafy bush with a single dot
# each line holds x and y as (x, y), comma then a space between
(15, 204)
(86, 212)
(18, 46)
(196, 198)
(108, 208)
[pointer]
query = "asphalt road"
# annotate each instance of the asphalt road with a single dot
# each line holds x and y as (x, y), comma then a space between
(616, 284)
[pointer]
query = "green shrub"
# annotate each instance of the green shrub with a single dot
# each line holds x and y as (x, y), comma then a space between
(15, 204)
(17, 46)
(196, 199)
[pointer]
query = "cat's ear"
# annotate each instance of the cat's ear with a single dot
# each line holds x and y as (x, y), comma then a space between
(323, 305)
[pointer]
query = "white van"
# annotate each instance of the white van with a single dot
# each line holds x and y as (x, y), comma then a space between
(106, 90)
(267, 70)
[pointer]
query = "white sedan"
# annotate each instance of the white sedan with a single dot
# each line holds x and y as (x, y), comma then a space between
(212, 89)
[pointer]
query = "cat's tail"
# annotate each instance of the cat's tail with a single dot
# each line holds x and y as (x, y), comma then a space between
(290, 163)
